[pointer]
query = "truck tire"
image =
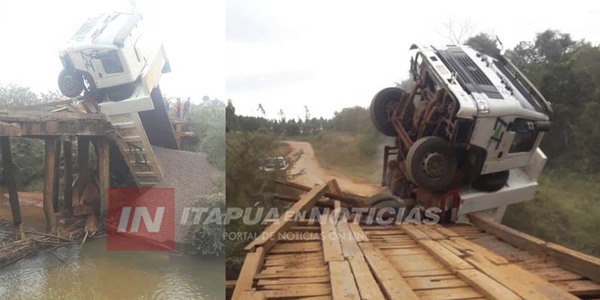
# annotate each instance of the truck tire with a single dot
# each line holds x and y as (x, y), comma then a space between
(491, 182)
(431, 164)
(384, 199)
(378, 111)
(70, 83)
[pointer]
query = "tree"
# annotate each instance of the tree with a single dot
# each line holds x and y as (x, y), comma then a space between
(484, 43)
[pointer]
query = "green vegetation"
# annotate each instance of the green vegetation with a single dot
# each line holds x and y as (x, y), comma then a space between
(207, 121)
(207, 239)
(248, 187)
(27, 154)
(565, 211)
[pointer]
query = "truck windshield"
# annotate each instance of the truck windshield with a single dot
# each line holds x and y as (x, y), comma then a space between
(112, 25)
(85, 29)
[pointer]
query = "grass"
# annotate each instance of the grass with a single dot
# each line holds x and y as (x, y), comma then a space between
(340, 152)
(566, 211)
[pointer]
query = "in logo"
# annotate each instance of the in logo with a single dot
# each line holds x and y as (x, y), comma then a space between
(141, 219)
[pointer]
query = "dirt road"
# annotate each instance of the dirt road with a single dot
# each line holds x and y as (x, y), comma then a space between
(315, 174)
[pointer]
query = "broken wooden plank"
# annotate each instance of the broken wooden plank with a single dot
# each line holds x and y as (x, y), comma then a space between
(465, 245)
(569, 259)
(580, 288)
(348, 198)
(394, 286)
(343, 285)
(251, 267)
(435, 282)
(269, 236)
(444, 255)
(520, 281)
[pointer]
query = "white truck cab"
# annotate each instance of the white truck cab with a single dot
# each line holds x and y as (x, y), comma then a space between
(108, 53)
(469, 125)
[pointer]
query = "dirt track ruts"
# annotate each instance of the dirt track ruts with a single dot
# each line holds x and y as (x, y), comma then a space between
(315, 174)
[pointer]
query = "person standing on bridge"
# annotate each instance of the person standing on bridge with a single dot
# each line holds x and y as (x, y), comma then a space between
(186, 107)
(178, 108)
(167, 104)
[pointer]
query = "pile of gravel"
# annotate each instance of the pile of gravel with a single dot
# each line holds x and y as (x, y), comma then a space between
(192, 176)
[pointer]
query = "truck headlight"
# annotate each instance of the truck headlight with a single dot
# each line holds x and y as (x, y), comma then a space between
(483, 106)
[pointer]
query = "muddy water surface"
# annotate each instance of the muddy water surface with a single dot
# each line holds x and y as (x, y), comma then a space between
(94, 273)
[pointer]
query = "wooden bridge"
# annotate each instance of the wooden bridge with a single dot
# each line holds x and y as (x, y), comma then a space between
(298, 259)
(121, 139)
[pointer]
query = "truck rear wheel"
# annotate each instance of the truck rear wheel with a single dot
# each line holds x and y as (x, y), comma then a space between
(431, 164)
(70, 83)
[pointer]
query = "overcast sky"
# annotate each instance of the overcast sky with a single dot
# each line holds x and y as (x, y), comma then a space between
(193, 33)
(333, 54)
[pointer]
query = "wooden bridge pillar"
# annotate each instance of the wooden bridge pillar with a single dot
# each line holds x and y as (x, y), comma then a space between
(68, 190)
(49, 171)
(9, 174)
(56, 178)
(83, 154)
(103, 172)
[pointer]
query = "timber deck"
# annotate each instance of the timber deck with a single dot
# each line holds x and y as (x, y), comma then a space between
(484, 260)
(42, 124)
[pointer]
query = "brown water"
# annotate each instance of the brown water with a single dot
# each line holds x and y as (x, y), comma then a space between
(94, 273)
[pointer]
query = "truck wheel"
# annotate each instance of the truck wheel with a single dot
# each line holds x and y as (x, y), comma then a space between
(70, 83)
(431, 164)
(384, 199)
(378, 111)
(491, 182)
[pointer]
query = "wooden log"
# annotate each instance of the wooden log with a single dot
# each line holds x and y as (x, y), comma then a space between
(103, 172)
(9, 174)
(56, 180)
(49, 166)
(269, 236)
(68, 179)
(348, 198)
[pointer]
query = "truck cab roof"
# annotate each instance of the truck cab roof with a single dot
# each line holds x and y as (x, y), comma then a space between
(106, 31)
